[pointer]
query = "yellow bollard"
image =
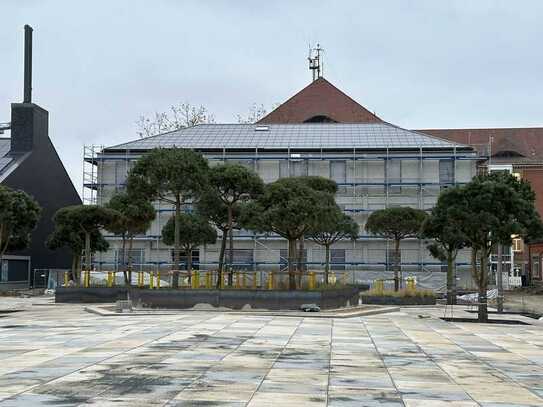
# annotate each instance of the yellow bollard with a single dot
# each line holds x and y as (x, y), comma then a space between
(66, 279)
(254, 280)
(379, 286)
(238, 282)
(411, 285)
(158, 280)
(208, 279)
(87, 277)
(270, 280)
(312, 280)
(193, 280)
(151, 280)
(140, 279)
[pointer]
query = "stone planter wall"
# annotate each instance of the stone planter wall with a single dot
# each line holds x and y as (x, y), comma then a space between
(389, 300)
(228, 298)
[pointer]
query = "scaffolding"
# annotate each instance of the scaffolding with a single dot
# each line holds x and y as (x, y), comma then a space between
(358, 194)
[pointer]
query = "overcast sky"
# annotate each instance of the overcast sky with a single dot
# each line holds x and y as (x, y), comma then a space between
(99, 65)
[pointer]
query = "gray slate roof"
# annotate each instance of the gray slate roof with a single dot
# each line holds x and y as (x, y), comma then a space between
(295, 136)
(5, 160)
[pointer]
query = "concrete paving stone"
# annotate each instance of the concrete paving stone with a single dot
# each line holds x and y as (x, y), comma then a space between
(60, 355)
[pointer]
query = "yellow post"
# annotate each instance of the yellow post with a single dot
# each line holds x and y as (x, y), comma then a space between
(238, 282)
(254, 280)
(151, 280)
(113, 278)
(88, 278)
(270, 280)
(158, 279)
(379, 286)
(193, 279)
(411, 285)
(140, 279)
(208, 279)
(66, 279)
(312, 280)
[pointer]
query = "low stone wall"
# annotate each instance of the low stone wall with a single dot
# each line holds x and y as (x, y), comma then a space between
(78, 295)
(389, 300)
(228, 298)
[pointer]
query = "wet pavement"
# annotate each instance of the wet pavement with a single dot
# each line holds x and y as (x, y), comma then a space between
(60, 355)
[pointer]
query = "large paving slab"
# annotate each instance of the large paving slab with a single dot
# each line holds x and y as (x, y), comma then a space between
(60, 355)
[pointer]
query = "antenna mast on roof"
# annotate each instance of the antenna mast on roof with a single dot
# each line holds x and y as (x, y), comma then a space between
(315, 63)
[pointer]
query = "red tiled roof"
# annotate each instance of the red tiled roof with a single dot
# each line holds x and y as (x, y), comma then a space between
(320, 98)
(526, 141)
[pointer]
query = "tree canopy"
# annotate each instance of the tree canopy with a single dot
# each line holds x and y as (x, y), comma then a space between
(333, 226)
(490, 210)
(78, 228)
(196, 232)
(174, 176)
(19, 215)
(396, 224)
(232, 184)
(447, 237)
(134, 216)
(288, 207)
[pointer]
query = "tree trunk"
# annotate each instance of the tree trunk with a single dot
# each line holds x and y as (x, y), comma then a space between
(396, 264)
(231, 247)
(451, 283)
(73, 271)
(123, 260)
(176, 243)
(78, 269)
(327, 265)
(188, 251)
(87, 252)
(483, 310)
(291, 264)
(300, 261)
(130, 244)
(221, 257)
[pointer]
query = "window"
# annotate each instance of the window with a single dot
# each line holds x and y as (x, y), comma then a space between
(391, 257)
(337, 259)
(183, 259)
(536, 270)
(283, 169)
(14, 270)
(137, 256)
(394, 175)
(338, 171)
(283, 258)
(298, 168)
(243, 259)
(517, 244)
(446, 171)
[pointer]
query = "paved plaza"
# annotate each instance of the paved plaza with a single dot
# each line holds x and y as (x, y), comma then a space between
(60, 355)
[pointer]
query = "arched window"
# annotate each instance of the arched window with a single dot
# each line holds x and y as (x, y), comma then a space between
(320, 119)
(507, 154)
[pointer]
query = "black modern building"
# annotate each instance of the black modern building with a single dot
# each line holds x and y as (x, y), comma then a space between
(29, 162)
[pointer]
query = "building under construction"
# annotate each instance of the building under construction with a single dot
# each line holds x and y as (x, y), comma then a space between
(375, 164)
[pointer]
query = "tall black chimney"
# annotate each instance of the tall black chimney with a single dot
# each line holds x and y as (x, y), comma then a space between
(28, 65)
